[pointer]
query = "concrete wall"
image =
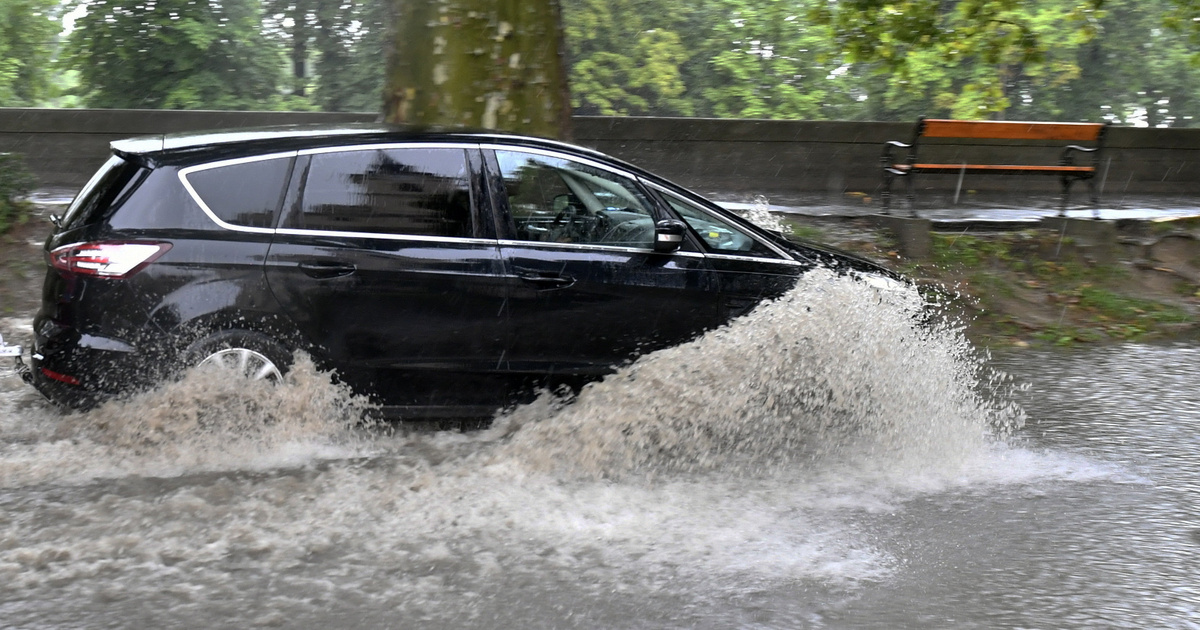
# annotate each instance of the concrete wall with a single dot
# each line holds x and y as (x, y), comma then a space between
(63, 147)
(836, 156)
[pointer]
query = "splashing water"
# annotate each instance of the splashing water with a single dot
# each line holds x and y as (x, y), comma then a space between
(760, 214)
(745, 458)
(834, 369)
(207, 420)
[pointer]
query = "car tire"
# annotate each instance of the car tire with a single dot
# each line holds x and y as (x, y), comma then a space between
(255, 355)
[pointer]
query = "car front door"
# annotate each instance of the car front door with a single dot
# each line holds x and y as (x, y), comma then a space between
(747, 268)
(386, 266)
(587, 291)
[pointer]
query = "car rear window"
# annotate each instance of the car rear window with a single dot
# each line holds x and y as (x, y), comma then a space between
(106, 187)
(245, 193)
(408, 191)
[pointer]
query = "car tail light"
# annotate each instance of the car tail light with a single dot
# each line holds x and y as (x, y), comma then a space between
(107, 259)
(64, 378)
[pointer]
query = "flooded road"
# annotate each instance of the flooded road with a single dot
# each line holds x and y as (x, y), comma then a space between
(825, 462)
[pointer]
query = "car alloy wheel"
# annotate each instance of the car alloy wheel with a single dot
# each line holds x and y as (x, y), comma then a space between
(248, 354)
(246, 362)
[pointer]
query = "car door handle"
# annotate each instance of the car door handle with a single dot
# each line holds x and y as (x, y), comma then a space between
(546, 280)
(327, 269)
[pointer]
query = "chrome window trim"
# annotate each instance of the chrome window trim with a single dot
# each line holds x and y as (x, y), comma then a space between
(588, 246)
(560, 155)
(387, 236)
(782, 261)
(390, 145)
(184, 172)
(771, 246)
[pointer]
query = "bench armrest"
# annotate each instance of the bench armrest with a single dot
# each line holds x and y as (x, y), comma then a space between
(887, 160)
(1068, 157)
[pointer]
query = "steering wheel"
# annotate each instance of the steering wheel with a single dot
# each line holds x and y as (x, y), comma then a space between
(601, 225)
(571, 221)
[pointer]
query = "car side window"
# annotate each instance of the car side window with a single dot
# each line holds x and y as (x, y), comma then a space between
(245, 193)
(410, 191)
(718, 235)
(556, 200)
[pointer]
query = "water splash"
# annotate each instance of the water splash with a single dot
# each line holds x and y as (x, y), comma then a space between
(834, 369)
(207, 420)
(756, 456)
(760, 214)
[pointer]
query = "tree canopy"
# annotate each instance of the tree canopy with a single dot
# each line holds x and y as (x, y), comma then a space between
(1126, 61)
(27, 32)
(175, 54)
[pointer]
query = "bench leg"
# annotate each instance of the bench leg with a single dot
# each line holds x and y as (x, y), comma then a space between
(886, 194)
(909, 196)
(1066, 196)
(1095, 195)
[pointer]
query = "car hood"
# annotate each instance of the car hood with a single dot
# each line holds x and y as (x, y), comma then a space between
(832, 257)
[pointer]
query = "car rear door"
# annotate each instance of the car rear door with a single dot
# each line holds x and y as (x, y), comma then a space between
(586, 289)
(387, 267)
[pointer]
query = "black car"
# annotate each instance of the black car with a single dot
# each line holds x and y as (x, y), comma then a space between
(441, 272)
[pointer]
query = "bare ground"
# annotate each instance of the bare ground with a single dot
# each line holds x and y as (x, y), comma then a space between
(1034, 287)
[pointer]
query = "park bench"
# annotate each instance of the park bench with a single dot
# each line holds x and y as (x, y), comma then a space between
(1066, 169)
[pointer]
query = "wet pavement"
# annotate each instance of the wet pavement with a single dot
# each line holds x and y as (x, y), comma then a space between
(825, 462)
(828, 462)
(996, 209)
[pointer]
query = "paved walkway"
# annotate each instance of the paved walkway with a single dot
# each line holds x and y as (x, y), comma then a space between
(998, 209)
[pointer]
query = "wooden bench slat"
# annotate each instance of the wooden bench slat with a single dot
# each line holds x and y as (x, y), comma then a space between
(994, 167)
(1011, 130)
(1069, 136)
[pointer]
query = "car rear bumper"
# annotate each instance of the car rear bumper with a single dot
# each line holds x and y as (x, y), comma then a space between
(80, 371)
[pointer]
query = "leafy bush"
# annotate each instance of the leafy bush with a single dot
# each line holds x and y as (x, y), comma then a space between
(15, 180)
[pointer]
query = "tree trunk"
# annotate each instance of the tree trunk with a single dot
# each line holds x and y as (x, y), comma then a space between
(300, 35)
(493, 64)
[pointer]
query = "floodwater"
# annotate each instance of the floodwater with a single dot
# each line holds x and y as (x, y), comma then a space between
(825, 462)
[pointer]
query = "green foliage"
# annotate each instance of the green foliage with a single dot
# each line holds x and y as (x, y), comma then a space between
(1110, 315)
(27, 33)
(339, 46)
(961, 251)
(1181, 18)
(802, 230)
(176, 54)
(1126, 61)
(626, 57)
(769, 65)
(1134, 72)
(1127, 309)
(885, 60)
(961, 59)
(15, 180)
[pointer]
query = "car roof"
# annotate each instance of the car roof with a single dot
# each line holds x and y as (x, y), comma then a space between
(200, 146)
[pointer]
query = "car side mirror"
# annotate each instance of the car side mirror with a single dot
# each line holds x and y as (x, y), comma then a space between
(668, 235)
